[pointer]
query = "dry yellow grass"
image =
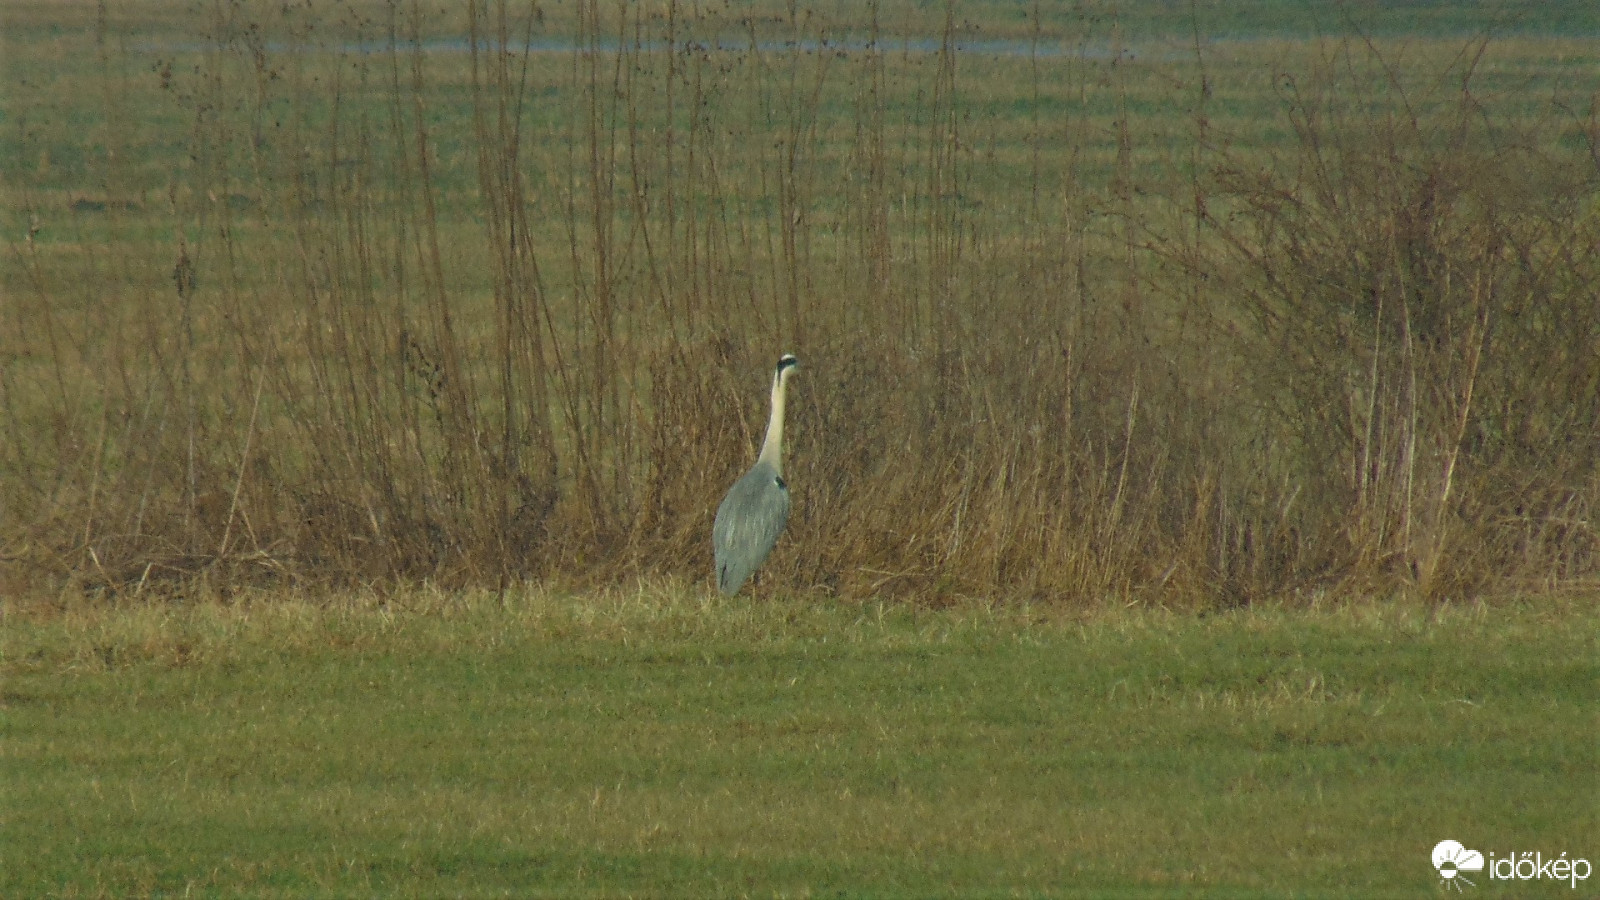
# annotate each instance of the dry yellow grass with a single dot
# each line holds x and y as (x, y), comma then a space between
(308, 297)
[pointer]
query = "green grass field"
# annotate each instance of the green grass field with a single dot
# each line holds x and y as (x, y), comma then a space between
(656, 742)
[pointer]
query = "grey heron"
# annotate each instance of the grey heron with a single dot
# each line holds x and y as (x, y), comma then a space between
(756, 508)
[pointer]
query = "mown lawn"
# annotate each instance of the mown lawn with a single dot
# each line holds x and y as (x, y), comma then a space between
(658, 743)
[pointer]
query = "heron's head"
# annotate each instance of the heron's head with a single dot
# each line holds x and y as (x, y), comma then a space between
(787, 361)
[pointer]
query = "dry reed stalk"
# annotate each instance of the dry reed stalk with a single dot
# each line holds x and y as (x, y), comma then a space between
(504, 313)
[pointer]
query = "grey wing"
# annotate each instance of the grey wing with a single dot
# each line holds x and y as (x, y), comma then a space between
(748, 524)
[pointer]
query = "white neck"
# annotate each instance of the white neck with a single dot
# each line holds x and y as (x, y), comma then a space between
(772, 447)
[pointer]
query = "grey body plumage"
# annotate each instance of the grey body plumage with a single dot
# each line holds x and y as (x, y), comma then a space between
(756, 508)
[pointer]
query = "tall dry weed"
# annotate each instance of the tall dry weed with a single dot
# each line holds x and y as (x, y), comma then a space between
(487, 312)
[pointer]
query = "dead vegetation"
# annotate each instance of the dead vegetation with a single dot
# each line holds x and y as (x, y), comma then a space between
(394, 311)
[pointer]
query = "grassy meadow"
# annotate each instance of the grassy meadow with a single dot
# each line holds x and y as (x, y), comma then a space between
(655, 742)
(1194, 451)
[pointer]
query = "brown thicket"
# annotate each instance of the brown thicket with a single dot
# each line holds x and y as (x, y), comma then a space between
(482, 313)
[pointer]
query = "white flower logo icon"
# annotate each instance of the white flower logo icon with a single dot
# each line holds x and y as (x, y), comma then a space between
(1452, 859)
